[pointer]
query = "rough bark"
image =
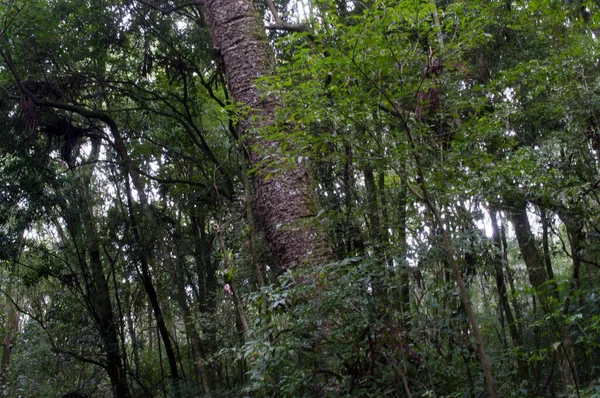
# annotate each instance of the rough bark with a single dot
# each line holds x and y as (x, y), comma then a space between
(285, 206)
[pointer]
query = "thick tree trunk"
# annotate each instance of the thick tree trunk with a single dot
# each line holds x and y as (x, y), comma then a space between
(286, 205)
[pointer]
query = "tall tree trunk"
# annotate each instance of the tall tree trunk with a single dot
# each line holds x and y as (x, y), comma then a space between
(12, 323)
(500, 285)
(372, 207)
(503, 293)
(177, 281)
(538, 278)
(100, 300)
(105, 316)
(510, 276)
(402, 244)
(206, 270)
(141, 223)
(286, 204)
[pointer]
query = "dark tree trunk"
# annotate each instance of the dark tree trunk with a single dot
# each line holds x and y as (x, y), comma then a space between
(206, 270)
(11, 326)
(286, 205)
(538, 278)
(141, 224)
(531, 254)
(502, 291)
(403, 245)
(501, 286)
(82, 226)
(178, 283)
(372, 207)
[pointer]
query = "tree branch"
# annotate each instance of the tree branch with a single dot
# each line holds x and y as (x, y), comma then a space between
(171, 9)
(280, 24)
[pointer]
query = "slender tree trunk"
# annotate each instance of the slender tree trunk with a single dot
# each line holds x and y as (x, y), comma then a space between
(100, 293)
(12, 324)
(352, 234)
(236, 298)
(511, 277)
(546, 250)
(531, 255)
(132, 334)
(451, 259)
(286, 204)
(501, 286)
(538, 278)
(372, 207)
(140, 228)
(206, 270)
(178, 283)
(503, 293)
(402, 244)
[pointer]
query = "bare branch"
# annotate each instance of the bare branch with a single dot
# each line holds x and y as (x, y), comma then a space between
(280, 24)
(289, 27)
(171, 9)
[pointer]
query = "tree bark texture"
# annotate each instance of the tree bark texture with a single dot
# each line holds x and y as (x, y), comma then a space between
(286, 205)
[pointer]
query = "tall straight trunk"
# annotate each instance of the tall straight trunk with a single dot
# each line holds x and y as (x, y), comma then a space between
(539, 280)
(206, 269)
(500, 285)
(546, 250)
(352, 233)
(177, 281)
(532, 257)
(372, 207)
(510, 275)
(99, 293)
(135, 344)
(503, 293)
(12, 324)
(450, 258)
(142, 223)
(403, 245)
(105, 317)
(286, 205)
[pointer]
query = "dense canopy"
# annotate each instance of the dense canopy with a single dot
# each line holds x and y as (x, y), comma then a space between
(299, 198)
